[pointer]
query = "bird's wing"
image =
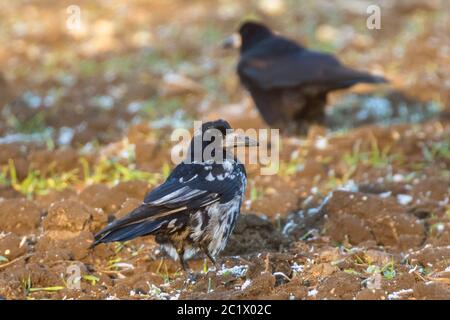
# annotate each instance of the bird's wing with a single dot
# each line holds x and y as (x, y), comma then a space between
(187, 188)
(299, 68)
(193, 186)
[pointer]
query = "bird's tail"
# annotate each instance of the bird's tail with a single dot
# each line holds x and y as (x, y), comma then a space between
(368, 78)
(126, 229)
(353, 77)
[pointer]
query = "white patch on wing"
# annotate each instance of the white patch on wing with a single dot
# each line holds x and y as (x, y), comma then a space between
(228, 165)
(181, 180)
(181, 194)
(210, 177)
(169, 196)
(172, 223)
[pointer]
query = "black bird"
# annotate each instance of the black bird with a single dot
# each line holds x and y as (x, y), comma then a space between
(196, 208)
(289, 83)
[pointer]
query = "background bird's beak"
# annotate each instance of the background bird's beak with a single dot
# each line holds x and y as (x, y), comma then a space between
(235, 140)
(233, 41)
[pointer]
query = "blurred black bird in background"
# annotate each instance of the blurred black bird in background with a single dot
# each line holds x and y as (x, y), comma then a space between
(196, 208)
(289, 83)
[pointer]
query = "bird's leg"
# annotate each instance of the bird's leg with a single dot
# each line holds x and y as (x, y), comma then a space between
(184, 264)
(212, 259)
(191, 277)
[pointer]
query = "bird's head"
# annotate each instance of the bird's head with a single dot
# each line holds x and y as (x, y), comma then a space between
(250, 33)
(214, 141)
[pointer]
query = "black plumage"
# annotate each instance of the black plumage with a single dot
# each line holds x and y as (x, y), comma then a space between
(289, 83)
(196, 208)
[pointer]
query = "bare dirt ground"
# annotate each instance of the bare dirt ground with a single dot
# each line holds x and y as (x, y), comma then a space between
(358, 210)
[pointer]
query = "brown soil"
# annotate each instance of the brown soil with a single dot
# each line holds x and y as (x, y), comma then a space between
(360, 213)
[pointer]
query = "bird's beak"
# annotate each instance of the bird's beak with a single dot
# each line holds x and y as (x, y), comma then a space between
(236, 140)
(232, 42)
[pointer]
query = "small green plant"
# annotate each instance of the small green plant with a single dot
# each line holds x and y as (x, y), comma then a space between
(48, 289)
(334, 182)
(134, 250)
(388, 270)
(119, 247)
(439, 149)
(34, 124)
(210, 289)
(36, 182)
(226, 273)
(104, 171)
(4, 176)
(112, 263)
(351, 271)
(437, 227)
(165, 273)
(375, 157)
(26, 285)
(288, 168)
(254, 194)
(306, 235)
(108, 171)
(91, 279)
